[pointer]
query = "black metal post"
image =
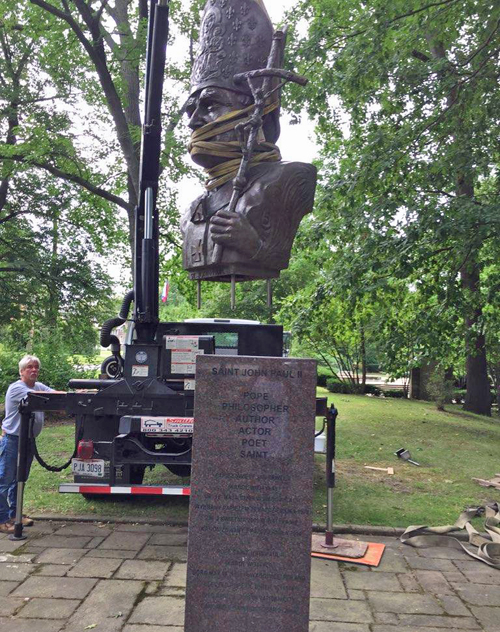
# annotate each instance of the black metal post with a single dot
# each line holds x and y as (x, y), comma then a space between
(22, 472)
(331, 423)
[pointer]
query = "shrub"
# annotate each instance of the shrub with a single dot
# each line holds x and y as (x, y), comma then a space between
(9, 367)
(458, 395)
(334, 386)
(397, 393)
(324, 375)
(346, 388)
(58, 366)
(371, 389)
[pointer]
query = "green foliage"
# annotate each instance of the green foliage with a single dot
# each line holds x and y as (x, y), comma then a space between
(76, 118)
(323, 375)
(371, 389)
(440, 389)
(336, 386)
(9, 367)
(406, 101)
(395, 393)
(55, 353)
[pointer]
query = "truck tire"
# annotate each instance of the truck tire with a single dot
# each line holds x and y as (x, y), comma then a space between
(112, 367)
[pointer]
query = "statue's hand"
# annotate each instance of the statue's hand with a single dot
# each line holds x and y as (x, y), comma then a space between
(234, 231)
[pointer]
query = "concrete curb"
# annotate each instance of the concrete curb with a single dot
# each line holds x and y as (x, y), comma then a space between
(338, 529)
(109, 519)
(361, 529)
(317, 528)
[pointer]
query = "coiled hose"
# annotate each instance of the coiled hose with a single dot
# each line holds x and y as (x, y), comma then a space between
(106, 338)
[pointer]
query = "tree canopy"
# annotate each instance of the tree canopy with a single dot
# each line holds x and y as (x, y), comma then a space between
(402, 251)
(407, 103)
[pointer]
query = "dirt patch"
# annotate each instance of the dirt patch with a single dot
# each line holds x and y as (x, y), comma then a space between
(355, 471)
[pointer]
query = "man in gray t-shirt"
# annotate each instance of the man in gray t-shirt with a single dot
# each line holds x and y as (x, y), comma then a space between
(29, 368)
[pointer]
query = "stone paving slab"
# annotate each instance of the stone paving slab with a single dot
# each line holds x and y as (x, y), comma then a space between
(150, 528)
(453, 605)
(12, 572)
(477, 575)
(177, 575)
(9, 605)
(56, 587)
(164, 553)
(132, 578)
(30, 625)
(404, 603)
(153, 628)
(159, 610)
(52, 570)
(90, 530)
(60, 556)
(112, 553)
(321, 626)
(326, 581)
(424, 620)
(398, 628)
(103, 568)
(365, 581)
(6, 588)
(488, 617)
(340, 610)
(434, 582)
(125, 541)
(169, 539)
(95, 542)
(107, 607)
(9, 546)
(142, 569)
(17, 558)
(62, 542)
(485, 596)
(49, 608)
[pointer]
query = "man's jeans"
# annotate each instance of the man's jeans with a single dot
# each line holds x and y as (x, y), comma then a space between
(8, 472)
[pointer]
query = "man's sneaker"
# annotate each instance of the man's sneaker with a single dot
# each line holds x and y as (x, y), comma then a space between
(6, 527)
(27, 521)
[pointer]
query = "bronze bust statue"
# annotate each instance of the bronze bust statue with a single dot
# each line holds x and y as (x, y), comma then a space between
(244, 225)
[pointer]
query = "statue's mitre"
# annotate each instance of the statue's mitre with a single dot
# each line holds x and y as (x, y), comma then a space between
(235, 37)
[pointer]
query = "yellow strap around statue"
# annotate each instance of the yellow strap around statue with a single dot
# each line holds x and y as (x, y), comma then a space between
(226, 171)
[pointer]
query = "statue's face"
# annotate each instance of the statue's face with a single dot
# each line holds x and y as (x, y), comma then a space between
(206, 106)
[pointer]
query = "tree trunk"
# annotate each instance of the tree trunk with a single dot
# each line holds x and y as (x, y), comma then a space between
(363, 358)
(53, 306)
(478, 397)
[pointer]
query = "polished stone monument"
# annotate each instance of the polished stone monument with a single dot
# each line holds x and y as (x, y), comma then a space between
(252, 487)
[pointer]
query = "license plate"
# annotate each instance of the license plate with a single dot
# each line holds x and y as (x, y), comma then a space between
(88, 467)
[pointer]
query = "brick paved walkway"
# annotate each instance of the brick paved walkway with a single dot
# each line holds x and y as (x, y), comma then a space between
(131, 578)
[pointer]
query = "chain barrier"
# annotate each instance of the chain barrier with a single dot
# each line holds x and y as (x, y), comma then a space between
(41, 461)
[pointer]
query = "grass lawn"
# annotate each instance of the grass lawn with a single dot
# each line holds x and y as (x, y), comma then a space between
(452, 448)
